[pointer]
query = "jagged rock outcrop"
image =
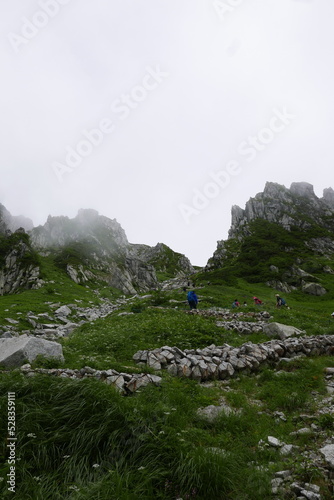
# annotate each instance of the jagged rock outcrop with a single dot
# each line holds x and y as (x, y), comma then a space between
(88, 225)
(277, 227)
(18, 264)
(164, 260)
(297, 206)
(13, 222)
(93, 247)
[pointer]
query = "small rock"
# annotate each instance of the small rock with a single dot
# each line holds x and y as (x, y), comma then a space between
(276, 443)
(284, 474)
(63, 311)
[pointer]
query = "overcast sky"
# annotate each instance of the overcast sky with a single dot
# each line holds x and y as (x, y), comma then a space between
(163, 113)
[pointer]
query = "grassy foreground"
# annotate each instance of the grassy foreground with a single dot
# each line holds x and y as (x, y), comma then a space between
(81, 440)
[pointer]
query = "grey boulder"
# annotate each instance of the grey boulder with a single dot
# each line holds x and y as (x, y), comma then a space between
(281, 331)
(314, 289)
(16, 351)
(328, 453)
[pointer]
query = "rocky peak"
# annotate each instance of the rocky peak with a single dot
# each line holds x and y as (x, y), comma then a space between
(88, 225)
(13, 222)
(283, 206)
(328, 196)
(164, 259)
(302, 189)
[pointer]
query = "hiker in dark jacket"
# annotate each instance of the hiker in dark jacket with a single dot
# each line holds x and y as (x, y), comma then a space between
(280, 301)
(192, 299)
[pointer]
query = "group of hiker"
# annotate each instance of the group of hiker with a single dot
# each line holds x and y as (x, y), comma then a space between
(257, 302)
(193, 301)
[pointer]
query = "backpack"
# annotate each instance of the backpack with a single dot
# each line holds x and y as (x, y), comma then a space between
(283, 302)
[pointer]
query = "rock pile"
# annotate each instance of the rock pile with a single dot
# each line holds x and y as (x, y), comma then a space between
(222, 362)
(245, 327)
(227, 314)
(59, 321)
(126, 383)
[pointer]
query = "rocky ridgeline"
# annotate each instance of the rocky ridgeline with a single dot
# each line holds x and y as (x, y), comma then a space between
(126, 383)
(222, 362)
(271, 205)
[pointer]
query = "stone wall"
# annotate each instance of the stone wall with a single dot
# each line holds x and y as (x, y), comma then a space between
(222, 362)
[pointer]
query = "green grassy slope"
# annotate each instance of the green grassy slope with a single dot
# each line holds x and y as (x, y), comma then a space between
(82, 440)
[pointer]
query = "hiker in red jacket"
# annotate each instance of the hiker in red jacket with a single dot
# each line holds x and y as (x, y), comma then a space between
(257, 301)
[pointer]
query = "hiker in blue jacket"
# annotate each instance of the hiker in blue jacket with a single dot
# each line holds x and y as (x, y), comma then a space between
(280, 301)
(192, 299)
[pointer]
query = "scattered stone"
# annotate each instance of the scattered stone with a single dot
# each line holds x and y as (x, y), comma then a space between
(284, 474)
(276, 443)
(12, 321)
(287, 449)
(63, 311)
(310, 495)
(300, 432)
(211, 412)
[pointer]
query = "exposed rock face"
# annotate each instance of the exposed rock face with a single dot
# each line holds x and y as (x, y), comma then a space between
(16, 270)
(102, 252)
(164, 259)
(88, 225)
(107, 254)
(322, 246)
(284, 206)
(15, 351)
(328, 197)
(12, 222)
(314, 289)
(256, 236)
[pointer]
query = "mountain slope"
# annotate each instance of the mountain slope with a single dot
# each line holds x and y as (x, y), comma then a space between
(281, 237)
(94, 247)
